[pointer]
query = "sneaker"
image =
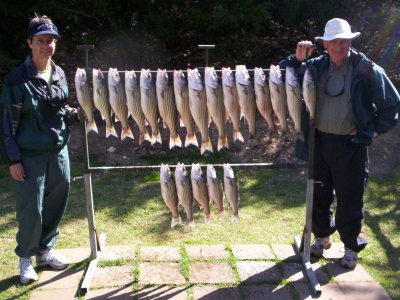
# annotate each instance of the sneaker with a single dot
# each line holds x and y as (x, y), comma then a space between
(320, 244)
(52, 259)
(26, 271)
(349, 259)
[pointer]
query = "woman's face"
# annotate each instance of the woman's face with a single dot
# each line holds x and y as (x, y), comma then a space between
(43, 46)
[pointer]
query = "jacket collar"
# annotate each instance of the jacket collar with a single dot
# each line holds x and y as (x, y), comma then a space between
(32, 72)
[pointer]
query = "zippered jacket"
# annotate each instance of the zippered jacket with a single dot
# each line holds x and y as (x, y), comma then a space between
(374, 99)
(32, 114)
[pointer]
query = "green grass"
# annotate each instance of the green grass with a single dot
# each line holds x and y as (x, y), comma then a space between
(130, 210)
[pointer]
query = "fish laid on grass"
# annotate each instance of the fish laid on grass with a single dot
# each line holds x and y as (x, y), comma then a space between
(148, 100)
(101, 100)
(215, 105)
(198, 108)
(231, 190)
(116, 89)
(132, 91)
(169, 194)
(184, 191)
(167, 107)
(278, 96)
(214, 187)
(246, 97)
(182, 105)
(231, 102)
(293, 95)
(263, 99)
(199, 188)
(309, 93)
(85, 98)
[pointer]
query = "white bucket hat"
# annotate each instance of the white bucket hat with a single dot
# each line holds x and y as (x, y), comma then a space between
(337, 29)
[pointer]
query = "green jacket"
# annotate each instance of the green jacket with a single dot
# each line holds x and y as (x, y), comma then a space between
(32, 116)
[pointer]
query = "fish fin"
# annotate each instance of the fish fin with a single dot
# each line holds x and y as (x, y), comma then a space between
(237, 136)
(126, 133)
(235, 219)
(191, 225)
(206, 146)
(222, 143)
(175, 142)
(156, 138)
(176, 222)
(164, 124)
(91, 127)
(111, 131)
(116, 119)
(191, 140)
(181, 124)
(144, 137)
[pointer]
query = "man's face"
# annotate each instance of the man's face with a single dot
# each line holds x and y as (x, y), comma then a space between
(43, 46)
(338, 50)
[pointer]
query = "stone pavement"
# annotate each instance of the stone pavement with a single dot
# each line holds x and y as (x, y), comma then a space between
(205, 272)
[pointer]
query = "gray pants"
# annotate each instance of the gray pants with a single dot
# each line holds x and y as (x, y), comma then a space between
(41, 201)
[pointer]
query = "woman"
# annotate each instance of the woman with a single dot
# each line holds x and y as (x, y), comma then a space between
(35, 134)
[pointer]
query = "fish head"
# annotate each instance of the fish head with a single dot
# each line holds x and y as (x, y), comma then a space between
(275, 74)
(165, 173)
(308, 77)
(98, 77)
(242, 75)
(145, 79)
(196, 171)
(180, 82)
(180, 172)
(80, 77)
(228, 78)
(211, 171)
(162, 79)
(228, 171)
(131, 80)
(211, 78)
(113, 76)
(194, 80)
(291, 77)
(259, 76)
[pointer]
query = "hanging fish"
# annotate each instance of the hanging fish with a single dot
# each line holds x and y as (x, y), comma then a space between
(132, 91)
(101, 101)
(184, 191)
(85, 98)
(199, 188)
(167, 107)
(231, 102)
(278, 96)
(169, 194)
(214, 187)
(215, 105)
(309, 93)
(293, 94)
(231, 190)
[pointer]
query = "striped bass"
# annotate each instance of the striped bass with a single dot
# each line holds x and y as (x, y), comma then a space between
(214, 187)
(263, 99)
(198, 107)
(169, 194)
(132, 91)
(182, 105)
(85, 98)
(246, 97)
(148, 100)
(199, 188)
(278, 96)
(231, 190)
(231, 102)
(293, 94)
(309, 93)
(101, 101)
(167, 107)
(184, 191)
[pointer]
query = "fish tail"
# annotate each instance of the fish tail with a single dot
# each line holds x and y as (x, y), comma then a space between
(91, 127)
(156, 138)
(126, 133)
(235, 219)
(206, 146)
(191, 225)
(175, 142)
(110, 130)
(237, 136)
(176, 222)
(222, 142)
(191, 140)
(144, 137)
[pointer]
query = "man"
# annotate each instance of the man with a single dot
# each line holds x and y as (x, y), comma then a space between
(35, 134)
(355, 102)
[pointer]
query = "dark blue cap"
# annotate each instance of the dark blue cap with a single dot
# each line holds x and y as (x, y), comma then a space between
(43, 28)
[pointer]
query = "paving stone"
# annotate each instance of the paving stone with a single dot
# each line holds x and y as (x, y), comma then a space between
(266, 291)
(162, 292)
(112, 276)
(75, 255)
(59, 294)
(164, 253)
(207, 252)
(330, 291)
(204, 272)
(293, 272)
(56, 279)
(364, 290)
(160, 273)
(216, 293)
(258, 271)
(336, 251)
(342, 274)
(120, 293)
(117, 252)
(252, 252)
(285, 252)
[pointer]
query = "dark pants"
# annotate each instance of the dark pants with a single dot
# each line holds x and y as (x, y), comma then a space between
(41, 201)
(342, 168)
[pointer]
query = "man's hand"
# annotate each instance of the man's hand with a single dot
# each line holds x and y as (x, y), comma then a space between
(17, 172)
(304, 50)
